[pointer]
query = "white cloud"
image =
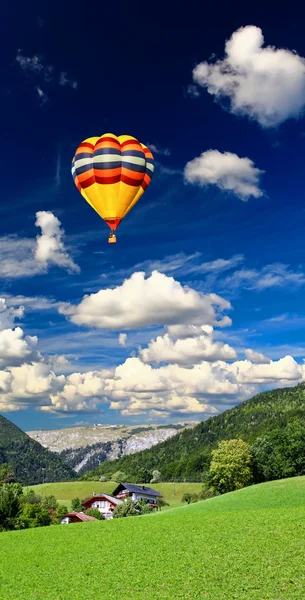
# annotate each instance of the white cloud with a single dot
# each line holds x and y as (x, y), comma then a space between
(156, 149)
(65, 81)
(257, 357)
(227, 171)
(50, 248)
(274, 275)
(187, 264)
(43, 72)
(182, 332)
(42, 95)
(25, 257)
(187, 351)
(15, 347)
(283, 371)
(34, 64)
(264, 83)
(122, 339)
(33, 303)
(8, 314)
(140, 302)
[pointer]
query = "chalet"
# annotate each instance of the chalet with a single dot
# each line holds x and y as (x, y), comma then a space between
(103, 502)
(137, 492)
(76, 517)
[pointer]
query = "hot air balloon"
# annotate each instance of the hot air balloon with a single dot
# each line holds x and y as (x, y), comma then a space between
(112, 173)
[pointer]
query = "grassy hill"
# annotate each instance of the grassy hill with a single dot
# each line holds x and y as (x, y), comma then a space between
(244, 545)
(65, 491)
(276, 418)
(31, 462)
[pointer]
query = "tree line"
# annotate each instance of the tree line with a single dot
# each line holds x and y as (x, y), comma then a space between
(272, 423)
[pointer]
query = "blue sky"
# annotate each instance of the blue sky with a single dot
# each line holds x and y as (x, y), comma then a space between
(220, 101)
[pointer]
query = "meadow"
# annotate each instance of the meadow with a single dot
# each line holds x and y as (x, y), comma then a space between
(246, 545)
(65, 491)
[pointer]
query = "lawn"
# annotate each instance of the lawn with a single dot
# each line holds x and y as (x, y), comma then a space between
(64, 492)
(248, 545)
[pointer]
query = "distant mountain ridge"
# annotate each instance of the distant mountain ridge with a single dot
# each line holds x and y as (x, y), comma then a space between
(31, 462)
(84, 448)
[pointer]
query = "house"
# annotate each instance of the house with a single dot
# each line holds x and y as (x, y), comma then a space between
(103, 502)
(76, 517)
(137, 492)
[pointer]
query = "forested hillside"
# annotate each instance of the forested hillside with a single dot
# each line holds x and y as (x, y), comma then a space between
(272, 422)
(30, 462)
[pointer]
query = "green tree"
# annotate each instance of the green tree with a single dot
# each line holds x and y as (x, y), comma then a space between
(103, 478)
(186, 498)
(30, 497)
(156, 476)
(10, 505)
(7, 474)
(161, 503)
(76, 505)
(94, 512)
(50, 503)
(126, 509)
(61, 511)
(231, 466)
(34, 515)
(118, 476)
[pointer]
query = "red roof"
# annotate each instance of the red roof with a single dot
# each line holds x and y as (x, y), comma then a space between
(80, 515)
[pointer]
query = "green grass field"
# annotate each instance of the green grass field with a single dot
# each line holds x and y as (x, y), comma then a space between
(247, 545)
(64, 492)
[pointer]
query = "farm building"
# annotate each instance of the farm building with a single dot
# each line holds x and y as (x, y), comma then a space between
(137, 492)
(76, 517)
(103, 502)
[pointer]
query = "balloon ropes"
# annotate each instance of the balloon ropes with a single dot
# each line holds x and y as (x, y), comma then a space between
(112, 173)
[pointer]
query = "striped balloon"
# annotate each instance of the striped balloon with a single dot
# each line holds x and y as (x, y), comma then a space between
(112, 173)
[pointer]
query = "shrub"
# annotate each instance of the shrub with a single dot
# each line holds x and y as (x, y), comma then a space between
(94, 512)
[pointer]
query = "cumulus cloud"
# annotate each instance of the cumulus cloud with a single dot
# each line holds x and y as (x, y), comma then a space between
(8, 314)
(25, 257)
(140, 302)
(15, 347)
(122, 339)
(187, 351)
(264, 83)
(50, 247)
(227, 171)
(257, 357)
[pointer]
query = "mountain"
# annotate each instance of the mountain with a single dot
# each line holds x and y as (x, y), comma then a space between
(272, 422)
(31, 462)
(84, 448)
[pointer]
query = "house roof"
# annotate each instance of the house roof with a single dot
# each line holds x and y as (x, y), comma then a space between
(137, 489)
(80, 515)
(101, 496)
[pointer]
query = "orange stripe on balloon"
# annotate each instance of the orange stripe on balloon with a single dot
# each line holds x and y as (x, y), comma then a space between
(86, 175)
(107, 172)
(102, 144)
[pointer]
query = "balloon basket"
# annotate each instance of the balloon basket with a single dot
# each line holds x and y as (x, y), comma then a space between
(112, 238)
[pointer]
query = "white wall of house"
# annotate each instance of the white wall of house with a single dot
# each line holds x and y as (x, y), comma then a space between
(101, 505)
(65, 521)
(135, 496)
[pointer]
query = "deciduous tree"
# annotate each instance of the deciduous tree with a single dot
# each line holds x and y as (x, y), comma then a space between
(231, 466)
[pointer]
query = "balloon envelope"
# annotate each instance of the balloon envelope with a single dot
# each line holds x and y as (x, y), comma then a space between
(112, 173)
